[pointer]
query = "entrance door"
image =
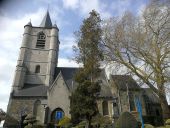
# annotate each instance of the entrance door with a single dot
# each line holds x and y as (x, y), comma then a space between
(57, 115)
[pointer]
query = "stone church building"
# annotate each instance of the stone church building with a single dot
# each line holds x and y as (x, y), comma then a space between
(42, 89)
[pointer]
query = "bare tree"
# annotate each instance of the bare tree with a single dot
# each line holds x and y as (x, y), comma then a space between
(2, 115)
(142, 44)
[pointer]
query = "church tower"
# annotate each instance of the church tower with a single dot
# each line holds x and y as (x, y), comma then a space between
(38, 55)
(35, 71)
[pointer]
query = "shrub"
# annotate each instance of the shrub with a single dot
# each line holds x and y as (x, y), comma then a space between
(126, 120)
(65, 121)
(39, 126)
(148, 126)
(167, 122)
(101, 120)
(28, 126)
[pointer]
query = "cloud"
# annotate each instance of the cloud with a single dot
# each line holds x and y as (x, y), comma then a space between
(66, 45)
(72, 4)
(120, 6)
(66, 63)
(83, 7)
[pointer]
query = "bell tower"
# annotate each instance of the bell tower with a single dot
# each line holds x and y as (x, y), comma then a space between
(38, 55)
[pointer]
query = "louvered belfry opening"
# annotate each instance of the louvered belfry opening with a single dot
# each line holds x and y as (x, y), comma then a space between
(40, 40)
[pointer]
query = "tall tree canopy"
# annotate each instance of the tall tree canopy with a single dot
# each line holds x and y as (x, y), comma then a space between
(83, 99)
(142, 44)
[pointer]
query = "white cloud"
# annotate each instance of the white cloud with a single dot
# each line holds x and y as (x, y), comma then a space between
(72, 4)
(87, 5)
(83, 7)
(66, 63)
(66, 45)
(120, 6)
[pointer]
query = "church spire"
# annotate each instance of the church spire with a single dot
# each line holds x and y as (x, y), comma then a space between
(46, 22)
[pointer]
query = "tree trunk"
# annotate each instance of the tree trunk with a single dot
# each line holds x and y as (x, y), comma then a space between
(164, 106)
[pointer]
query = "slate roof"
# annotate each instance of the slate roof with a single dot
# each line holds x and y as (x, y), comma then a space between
(122, 81)
(150, 96)
(31, 90)
(68, 75)
(105, 91)
(46, 22)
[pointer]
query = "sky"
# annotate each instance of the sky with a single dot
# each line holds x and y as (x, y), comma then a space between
(67, 14)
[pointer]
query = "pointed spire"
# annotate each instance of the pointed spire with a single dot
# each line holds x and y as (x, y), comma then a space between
(46, 22)
(28, 24)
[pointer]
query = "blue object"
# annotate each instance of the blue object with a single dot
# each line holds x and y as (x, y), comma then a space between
(139, 109)
(58, 115)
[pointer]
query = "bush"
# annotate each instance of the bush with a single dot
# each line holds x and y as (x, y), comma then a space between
(126, 120)
(148, 126)
(82, 124)
(28, 126)
(38, 126)
(167, 122)
(101, 120)
(65, 121)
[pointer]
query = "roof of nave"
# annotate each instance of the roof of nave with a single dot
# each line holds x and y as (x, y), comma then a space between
(150, 96)
(68, 76)
(124, 81)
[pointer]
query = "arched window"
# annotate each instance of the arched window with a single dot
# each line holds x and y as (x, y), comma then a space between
(57, 115)
(37, 69)
(40, 40)
(37, 110)
(105, 108)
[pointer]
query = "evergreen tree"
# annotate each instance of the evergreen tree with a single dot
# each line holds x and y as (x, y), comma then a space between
(88, 52)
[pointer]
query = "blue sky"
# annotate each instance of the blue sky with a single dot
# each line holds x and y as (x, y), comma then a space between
(68, 15)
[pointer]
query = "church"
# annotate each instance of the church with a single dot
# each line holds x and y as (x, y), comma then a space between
(42, 89)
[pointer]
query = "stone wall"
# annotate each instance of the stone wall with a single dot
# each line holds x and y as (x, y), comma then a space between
(110, 106)
(18, 107)
(58, 97)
